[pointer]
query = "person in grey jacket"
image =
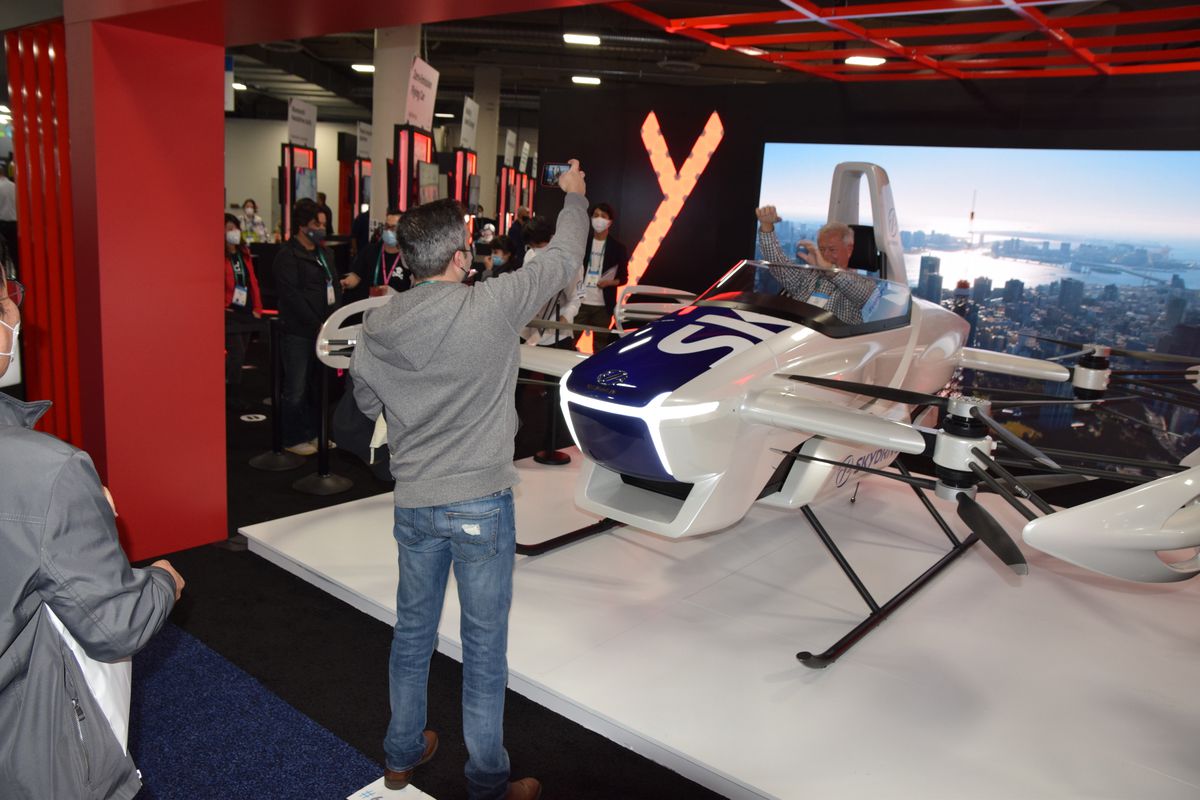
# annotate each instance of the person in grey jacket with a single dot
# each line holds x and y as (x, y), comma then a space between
(59, 552)
(440, 363)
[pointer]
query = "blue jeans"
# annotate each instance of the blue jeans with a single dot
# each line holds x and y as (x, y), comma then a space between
(477, 537)
(301, 410)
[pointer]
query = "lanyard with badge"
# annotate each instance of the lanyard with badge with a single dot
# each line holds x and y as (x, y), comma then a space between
(239, 279)
(595, 266)
(330, 295)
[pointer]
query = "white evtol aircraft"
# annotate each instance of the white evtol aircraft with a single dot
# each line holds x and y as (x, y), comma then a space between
(779, 383)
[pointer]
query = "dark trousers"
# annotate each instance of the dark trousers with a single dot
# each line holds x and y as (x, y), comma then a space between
(599, 317)
(8, 229)
(239, 325)
(301, 412)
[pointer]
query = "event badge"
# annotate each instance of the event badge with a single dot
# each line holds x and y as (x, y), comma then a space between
(239, 296)
(330, 297)
(818, 299)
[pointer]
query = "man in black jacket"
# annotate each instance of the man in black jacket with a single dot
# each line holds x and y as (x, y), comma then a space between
(309, 290)
(606, 266)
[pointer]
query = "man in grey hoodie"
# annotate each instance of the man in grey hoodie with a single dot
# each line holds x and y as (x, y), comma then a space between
(440, 363)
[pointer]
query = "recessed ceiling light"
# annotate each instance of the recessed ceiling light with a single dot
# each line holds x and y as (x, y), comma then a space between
(750, 51)
(443, 115)
(363, 67)
(586, 80)
(865, 61)
(581, 38)
(239, 87)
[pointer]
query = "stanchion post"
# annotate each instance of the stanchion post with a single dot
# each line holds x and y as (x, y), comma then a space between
(278, 459)
(323, 482)
(550, 455)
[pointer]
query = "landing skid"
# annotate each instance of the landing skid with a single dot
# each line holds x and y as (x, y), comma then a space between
(567, 538)
(878, 612)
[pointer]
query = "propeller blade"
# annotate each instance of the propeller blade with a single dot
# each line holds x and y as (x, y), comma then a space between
(1012, 440)
(871, 390)
(1144, 355)
(565, 326)
(990, 532)
(1058, 402)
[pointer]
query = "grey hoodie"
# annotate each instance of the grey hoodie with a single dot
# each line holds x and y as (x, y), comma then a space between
(440, 361)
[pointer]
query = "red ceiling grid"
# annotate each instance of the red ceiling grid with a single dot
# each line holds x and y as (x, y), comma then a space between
(935, 49)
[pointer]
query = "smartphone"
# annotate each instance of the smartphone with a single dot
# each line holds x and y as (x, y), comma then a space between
(551, 171)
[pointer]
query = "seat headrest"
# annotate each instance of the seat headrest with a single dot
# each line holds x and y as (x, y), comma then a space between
(866, 255)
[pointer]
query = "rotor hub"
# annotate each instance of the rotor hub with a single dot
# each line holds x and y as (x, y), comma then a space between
(1090, 377)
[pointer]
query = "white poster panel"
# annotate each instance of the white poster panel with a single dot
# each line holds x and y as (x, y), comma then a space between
(470, 123)
(510, 147)
(422, 90)
(524, 157)
(302, 123)
(364, 140)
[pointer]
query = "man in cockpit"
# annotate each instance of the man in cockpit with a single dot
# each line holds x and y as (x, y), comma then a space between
(842, 293)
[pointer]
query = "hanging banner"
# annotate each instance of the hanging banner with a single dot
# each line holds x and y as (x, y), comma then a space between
(524, 157)
(470, 122)
(422, 90)
(230, 103)
(510, 147)
(364, 141)
(302, 123)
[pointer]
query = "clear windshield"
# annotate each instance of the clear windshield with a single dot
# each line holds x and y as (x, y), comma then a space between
(828, 297)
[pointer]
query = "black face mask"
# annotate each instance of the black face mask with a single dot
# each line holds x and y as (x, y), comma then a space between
(317, 235)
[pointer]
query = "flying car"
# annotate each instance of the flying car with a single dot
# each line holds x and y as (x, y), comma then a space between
(782, 383)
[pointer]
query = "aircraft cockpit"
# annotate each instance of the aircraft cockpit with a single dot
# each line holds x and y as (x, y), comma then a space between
(835, 302)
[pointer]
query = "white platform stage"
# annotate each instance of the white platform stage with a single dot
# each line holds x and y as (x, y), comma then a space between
(1061, 684)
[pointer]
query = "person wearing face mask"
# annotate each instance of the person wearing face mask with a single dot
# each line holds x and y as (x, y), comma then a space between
(516, 232)
(501, 258)
(606, 266)
(253, 226)
(378, 265)
(74, 610)
(243, 306)
(309, 290)
(563, 306)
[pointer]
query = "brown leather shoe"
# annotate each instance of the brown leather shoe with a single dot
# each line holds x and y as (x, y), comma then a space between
(398, 780)
(524, 789)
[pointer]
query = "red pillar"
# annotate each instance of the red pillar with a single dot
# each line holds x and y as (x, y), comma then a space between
(147, 142)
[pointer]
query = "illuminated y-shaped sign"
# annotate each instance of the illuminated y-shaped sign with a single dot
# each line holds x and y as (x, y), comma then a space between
(676, 185)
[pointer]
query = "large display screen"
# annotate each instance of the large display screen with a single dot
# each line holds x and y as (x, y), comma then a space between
(306, 183)
(1099, 216)
(1103, 243)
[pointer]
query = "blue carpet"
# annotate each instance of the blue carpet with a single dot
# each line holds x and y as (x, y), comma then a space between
(202, 729)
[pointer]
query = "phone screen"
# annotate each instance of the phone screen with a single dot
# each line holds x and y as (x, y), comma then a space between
(551, 171)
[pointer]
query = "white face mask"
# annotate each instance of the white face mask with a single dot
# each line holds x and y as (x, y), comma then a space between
(16, 333)
(249, 211)
(233, 237)
(600, 224)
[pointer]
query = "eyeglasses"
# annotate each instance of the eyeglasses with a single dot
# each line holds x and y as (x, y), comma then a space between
(15, 292)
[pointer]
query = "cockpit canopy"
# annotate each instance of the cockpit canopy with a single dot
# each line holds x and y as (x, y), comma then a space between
(834, 302)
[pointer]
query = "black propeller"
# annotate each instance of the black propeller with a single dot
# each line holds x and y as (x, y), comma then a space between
(991, 533)
(1144, 355)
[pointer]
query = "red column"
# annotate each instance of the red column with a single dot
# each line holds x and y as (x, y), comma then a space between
(147, 147)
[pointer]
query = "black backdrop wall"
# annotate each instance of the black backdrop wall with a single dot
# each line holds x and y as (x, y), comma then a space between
(716, 226)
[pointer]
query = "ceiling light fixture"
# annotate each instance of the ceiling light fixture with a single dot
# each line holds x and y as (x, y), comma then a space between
(443, 115)
(589, 39)
(363, 67)
(865, 61)
(586, 80)
(5, 110)
(751, 51)
(239, 87)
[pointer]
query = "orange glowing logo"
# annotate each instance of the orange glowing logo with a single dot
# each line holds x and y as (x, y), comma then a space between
(676, 185)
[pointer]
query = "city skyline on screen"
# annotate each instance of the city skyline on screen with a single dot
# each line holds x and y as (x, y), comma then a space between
(1137, 196)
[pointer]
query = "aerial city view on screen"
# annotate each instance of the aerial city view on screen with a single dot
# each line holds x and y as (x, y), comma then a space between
(1076, 245)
